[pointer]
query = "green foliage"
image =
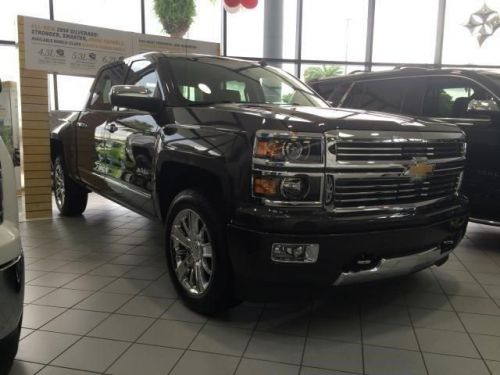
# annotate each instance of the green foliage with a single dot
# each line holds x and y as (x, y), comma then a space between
(176, 16)
(322, 71)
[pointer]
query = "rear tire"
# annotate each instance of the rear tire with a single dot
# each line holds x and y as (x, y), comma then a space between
(196, 253)
(71, 198)
(8, 350)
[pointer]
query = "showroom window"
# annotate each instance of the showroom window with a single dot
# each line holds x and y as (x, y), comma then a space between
(9, 59)
(73, 92)
(206, 26)
(10, 10)
(245, 32)
(405, 31)
(460, 47)
(334, 30)
(122, 15)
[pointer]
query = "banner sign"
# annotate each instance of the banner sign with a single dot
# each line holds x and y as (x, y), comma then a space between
(67, 48)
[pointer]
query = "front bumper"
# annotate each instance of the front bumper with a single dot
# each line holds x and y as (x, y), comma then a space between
(11, 295)
(397, 250)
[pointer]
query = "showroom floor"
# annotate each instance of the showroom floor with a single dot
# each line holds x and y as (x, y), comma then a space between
(98, 300)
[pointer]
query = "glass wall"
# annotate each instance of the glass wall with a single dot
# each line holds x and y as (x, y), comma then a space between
(334, 37)
(122, 15)
(334, 30)
(405, 31)
(462, 48)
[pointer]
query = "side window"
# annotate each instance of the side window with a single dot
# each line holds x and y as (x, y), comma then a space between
(114, 75)
(453, 97)
(384, 95)
(337, 93)
(354, 96)
(143, 73)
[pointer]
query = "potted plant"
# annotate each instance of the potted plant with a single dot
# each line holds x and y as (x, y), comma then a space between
(175, 16)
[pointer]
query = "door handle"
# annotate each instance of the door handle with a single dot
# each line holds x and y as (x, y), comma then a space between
(82, 125)
(111, 127)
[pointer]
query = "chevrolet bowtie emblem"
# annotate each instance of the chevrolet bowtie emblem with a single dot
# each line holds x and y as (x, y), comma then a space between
(419, 170)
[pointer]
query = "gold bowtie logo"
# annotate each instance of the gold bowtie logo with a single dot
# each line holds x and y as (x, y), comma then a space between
(419, 170)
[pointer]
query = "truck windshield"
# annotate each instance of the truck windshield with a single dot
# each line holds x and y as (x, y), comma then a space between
(208, 80)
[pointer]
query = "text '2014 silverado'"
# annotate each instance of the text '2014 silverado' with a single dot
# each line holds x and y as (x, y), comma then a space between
(261, 185)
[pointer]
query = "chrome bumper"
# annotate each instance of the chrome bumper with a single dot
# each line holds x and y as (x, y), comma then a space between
(392, 267)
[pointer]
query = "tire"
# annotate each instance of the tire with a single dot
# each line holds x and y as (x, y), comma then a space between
(71, 198)
(190, 256)
(8, 350)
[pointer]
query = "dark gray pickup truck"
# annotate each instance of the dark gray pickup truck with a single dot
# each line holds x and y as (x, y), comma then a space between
(262, 187)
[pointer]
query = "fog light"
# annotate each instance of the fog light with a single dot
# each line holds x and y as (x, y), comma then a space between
(294, 253)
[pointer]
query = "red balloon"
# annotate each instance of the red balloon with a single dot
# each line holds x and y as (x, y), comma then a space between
(232, 3)
(249, 4)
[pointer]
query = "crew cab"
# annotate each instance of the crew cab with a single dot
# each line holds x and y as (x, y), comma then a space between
(264, 190)
(467, 98)
(11, 263)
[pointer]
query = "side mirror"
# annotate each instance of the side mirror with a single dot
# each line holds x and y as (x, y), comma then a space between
(486, 106)
(135, 97)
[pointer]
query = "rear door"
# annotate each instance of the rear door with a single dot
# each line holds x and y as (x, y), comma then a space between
(92, 150)
(131, 140)
(458, 100)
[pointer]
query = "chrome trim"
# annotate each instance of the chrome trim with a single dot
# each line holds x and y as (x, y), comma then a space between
(485, 222)
(391, 267)
(13, 262)
(390, 169)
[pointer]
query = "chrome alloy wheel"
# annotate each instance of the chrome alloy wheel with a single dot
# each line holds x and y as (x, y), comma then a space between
(191, 251)
(59, 188)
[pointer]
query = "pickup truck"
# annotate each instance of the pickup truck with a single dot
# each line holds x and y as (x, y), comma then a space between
(265, 191)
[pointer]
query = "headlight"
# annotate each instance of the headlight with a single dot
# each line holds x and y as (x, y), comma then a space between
(288, 147)
(288, 168)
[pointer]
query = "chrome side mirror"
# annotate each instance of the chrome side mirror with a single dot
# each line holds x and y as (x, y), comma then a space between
(482, 106)
(135, 97)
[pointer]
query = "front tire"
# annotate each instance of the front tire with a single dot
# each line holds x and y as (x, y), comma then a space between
(8, 350)
(71, 198)
(196, 254)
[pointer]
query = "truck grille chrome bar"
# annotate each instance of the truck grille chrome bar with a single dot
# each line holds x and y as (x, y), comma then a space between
(370, 170)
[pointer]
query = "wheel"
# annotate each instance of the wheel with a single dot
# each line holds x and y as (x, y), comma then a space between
(8, 350)
(196, 254)
(71, 198)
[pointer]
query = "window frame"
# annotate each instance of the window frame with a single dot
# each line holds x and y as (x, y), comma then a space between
(88, 106)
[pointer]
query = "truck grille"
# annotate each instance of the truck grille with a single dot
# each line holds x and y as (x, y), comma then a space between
(382, 170)
(349, 192)
(364, 151)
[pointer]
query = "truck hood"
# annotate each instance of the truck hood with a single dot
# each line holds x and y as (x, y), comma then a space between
(316, 119)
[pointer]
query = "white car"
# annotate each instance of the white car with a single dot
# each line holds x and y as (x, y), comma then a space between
(11, 264)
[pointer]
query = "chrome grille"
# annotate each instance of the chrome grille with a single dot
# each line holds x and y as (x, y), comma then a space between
(372, 170)
(349, 192)
(364, 151)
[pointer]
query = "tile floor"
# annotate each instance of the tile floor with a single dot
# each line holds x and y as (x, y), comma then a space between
(99, 301)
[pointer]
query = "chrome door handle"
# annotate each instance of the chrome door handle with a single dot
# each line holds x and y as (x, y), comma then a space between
(81, 125)
(111, 127)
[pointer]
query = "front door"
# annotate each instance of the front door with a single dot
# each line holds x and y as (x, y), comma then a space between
(131, 142)
(476, 111)
(90, 129)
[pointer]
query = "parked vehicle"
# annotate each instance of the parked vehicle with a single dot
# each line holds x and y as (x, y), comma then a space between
(262, 187)
(11, 264)
(467, 98)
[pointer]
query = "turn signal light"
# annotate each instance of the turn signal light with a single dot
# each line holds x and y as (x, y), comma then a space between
(266, 186)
